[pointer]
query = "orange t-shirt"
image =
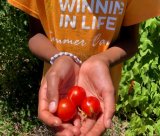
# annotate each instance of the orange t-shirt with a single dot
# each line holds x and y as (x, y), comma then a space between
(87, 27)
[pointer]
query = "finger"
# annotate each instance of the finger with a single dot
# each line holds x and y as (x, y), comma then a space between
(77, 121)
(67, 128)
(43, 112)
(98, 128)
(49, 119)
(75, 130)
(77, 126)
(109, 107)
(52, 91)
(73, 126)
(87, 124)
(64, 132)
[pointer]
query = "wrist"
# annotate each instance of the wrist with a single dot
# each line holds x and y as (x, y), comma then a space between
(42, 47)
(103, 57)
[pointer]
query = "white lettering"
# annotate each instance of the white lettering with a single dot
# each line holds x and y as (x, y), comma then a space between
(98, 14)
(84, 23)
(94, 22)
(97, 41)
(100, 23)
(118, 8)
(61, 20)
(86, 5)
(78, 6)
(95, 6)
(110, 25)
(103, 8)
(69, 21)
(64, 6)
(68, 41)
(110, 7)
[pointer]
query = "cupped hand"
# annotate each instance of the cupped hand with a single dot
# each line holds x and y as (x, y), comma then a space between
(62, 75)
(94, 77)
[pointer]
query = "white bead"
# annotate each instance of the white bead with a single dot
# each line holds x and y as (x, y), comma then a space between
(75, 58)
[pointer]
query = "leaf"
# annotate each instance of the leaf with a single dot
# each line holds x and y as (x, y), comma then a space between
(147, 43)
(137, 88)
(155, 63)
(145, 79)
(135, 68)
(157, 128)
(148, 23)
(156, 111)
(151, 130)
(135, 102)
(154, 87)
(144, 113)
(118, 107)
(156, 99)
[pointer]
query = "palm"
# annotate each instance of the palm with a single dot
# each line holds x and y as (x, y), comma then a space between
(61, 76)
(68, 81)
(94, 77)
(57, 82)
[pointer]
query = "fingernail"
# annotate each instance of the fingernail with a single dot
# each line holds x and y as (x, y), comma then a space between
(108, 123)
(57, 123)
(52, 107)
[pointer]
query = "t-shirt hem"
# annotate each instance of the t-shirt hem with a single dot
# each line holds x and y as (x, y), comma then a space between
(23, 8)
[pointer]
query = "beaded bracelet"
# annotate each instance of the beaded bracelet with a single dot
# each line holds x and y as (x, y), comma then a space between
(75, 58)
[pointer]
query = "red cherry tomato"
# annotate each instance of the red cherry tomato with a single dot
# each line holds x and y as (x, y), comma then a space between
(91, 106)
(66, 109)
(76, 94)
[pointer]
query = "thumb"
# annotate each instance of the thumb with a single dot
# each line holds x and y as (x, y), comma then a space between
(53, 93)
(109, 107)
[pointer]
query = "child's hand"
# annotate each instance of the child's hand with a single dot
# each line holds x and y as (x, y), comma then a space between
(60, 77)
(94, 77)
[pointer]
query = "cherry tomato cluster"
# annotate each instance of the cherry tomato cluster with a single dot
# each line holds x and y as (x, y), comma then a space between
(77, 99)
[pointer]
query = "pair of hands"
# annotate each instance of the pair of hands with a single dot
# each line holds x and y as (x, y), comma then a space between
(94, 76)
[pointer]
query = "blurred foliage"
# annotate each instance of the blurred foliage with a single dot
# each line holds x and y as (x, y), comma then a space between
(139, 92)
(20, 71)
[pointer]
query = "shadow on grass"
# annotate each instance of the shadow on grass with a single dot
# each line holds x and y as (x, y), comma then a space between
(20, 72)
(19, 86)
